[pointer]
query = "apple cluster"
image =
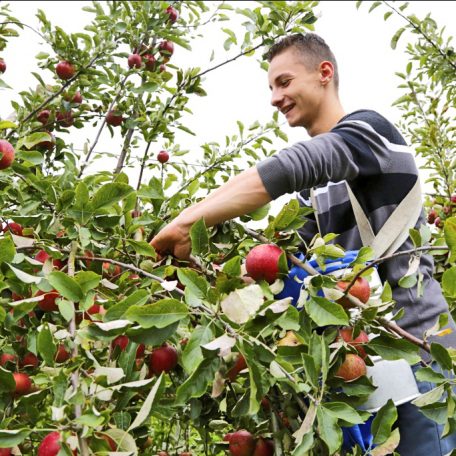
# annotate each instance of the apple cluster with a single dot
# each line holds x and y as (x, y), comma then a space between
(440, 212)
(243, 443)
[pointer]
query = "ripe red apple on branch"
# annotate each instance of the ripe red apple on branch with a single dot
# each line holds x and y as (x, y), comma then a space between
(264, 447)
(64, 118)
(163, 156)
(7, 154)
(2, 66)
(50, 445)
(29, 360)
(134, 61)
(5, 452)
(347, 336)
(48, 302)
(166, 49)
(352, 368)
(150, 62)
(163, 359)
(23, 383)
(114, 118)
(42, 256)
(14, 228)
(360, 290)
(7, 358)
(238, 366)
(173, 14)
(262, 262)
(44, 116)
(242, 443)
(65, 70)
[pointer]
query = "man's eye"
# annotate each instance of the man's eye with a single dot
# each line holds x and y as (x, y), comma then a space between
(285, 82)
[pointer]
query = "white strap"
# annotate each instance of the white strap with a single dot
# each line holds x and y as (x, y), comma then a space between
(395, 230)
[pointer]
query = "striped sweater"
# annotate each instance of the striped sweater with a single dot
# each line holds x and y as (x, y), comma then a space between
(368, 152)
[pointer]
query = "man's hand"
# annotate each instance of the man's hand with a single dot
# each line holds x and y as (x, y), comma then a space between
(173, 239)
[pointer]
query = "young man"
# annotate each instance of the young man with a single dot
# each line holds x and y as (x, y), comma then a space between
(361, 152)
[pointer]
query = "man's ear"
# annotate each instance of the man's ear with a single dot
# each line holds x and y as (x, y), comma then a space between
(326, 69)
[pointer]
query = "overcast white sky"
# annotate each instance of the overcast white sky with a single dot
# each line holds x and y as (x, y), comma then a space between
(240, 91)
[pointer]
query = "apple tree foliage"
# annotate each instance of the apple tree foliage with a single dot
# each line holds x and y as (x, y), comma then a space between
(111, 282)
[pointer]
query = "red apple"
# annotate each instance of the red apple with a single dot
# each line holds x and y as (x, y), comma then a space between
(347, 335)
(29, 359)
(14, 228)
(150, 62)
(262, 262)
(166, 49)
(111, 270)
(77, 98)
(438, 222)
(6, 154)
(163, 359)
(62, 354)
(242, 443)
(65, 70)
(50, 445)
(360, 290)
(2, 66)
(5, 452)
(352, 368)
(431, 216)
(92, 310)
(172, 13)
(239, 365)
(7, 357)
(163, 156)
(42, 256)
(43, 116)
(162, 68)
(227, 437)
(48, 302)
(121, 342)
(23, 383)
(65, 118)
(134, 61)
(264, 447)
(114, 119)
(453, 198)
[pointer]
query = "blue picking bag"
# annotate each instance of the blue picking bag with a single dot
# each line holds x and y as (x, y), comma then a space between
(293, 283)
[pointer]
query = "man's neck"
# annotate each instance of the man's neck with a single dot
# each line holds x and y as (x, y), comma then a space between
(328, 121)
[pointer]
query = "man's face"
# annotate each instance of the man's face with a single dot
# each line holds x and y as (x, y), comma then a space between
(296, 91)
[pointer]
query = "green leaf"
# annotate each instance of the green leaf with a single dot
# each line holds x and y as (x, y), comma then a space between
(448, 282)
(7, 250)
(146, 408)
(287, 215)
(233, 267)
(66, 286)
(87, 280)
(11, 438)
(199, 237)
(392, 349)
(192, 355)
(160, 314)
(324, 312)
(343, 411)
(66, 309)
(110, 194)
(330, 431)
(46, 346)
(33, 139)
(441, 355)
(142, 248)
(450, 237)
(383, 422)
(387, 447)
(117, 311)
(24, 277)
(152, 336)
(427, 374)
(430, 397)
(4, 124)
(7, 382)
(193, 282)
(396, 37)
(197, 383)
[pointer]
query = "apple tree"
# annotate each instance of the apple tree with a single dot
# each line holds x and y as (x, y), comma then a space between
(108, 347)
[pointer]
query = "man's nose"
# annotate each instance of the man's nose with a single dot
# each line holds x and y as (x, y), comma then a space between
(276, 98)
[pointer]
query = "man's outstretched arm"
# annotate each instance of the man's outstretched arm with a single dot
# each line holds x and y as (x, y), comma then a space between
(240, 195)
